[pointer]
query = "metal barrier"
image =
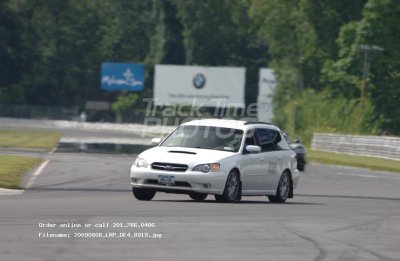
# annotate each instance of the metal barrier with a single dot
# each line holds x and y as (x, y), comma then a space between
(374, 146)
(85, 126)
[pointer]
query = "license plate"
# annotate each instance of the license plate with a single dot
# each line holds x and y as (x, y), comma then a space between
(166, 180)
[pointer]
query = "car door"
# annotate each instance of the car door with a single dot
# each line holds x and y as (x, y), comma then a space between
(286, 156)
(251, 165)
(269, 168)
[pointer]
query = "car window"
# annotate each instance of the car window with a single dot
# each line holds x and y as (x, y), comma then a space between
(250, 139)
(284, 143)
(205, 137)
(271, 140)
(267, 139)
(286, 138)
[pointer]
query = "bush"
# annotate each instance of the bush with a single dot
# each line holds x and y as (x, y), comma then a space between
(322, 112)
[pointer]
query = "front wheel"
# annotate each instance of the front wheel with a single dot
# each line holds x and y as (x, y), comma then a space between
(143, 194)
(232, 188)
(198, 196)
(282, 192)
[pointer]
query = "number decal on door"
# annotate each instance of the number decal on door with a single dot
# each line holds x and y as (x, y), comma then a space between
(272, 168)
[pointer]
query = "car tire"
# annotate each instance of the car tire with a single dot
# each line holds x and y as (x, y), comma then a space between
(232, 188)
(301, 163)
(143, 194)
(219, 198)
(239, 196)
(283, 190)
(198, 196)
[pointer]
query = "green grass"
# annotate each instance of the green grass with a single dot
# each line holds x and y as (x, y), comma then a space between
(13, 168)
(29, 139)
(354, 161)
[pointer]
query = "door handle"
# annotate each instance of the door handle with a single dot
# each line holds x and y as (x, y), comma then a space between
(280, 158)
(261, 159)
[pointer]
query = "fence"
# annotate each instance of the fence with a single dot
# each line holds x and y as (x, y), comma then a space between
(374, 146)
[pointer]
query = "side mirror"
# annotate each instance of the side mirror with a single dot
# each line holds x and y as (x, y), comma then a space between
(155, 141)
(253, 149)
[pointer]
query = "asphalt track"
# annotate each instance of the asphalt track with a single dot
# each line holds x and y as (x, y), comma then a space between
(338, 213)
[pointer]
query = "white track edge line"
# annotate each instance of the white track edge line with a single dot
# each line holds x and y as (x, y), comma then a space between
(37, 173)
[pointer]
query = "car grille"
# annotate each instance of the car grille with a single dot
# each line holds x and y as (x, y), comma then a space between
(169, 166)
(177, 183)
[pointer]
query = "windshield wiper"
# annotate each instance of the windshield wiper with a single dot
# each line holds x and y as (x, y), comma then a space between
(200, 147)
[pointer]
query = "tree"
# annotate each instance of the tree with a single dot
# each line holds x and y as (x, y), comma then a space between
(221, 33)
(126, 30)
(56, 51)
(300, 35)
(166, 40)
(379, 26)
(8, 41)
(55, 48)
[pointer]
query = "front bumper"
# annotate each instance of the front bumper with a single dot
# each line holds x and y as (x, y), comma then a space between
(185, 182)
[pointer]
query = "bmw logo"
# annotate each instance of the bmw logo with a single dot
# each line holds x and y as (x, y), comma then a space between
(199, 81)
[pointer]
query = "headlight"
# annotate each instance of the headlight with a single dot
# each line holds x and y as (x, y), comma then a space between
(140, 163)
(212, 167)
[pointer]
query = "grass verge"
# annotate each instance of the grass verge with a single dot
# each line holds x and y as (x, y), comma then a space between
(29, 139)
(354, 161)
(13, 168)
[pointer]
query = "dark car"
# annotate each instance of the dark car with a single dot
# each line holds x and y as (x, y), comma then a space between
(300, 152)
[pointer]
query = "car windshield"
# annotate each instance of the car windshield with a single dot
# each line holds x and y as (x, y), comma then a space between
(205, 137)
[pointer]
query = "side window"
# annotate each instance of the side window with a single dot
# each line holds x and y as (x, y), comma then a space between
(283, 144)
(269, 139)
(250, 139)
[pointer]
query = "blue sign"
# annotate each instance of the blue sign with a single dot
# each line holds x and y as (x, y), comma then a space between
(122, 76)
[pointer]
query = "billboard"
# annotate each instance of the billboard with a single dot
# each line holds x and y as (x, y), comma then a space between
(122, 76)
(266, 88)
(209, 86)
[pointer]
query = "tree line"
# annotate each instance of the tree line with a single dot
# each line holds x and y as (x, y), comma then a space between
(51, 52)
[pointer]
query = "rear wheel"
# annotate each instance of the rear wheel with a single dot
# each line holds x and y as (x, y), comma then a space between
(143, 194)
(198, 196)
(232, 188)
(282, 192)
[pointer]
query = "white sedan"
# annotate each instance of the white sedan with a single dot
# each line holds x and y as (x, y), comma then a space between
(226, 158)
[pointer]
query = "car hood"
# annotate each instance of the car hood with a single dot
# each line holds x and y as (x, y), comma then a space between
(180, 155)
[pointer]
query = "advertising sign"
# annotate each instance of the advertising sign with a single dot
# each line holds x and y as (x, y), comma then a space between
(122, 76)
(266, 88)
(209, 86)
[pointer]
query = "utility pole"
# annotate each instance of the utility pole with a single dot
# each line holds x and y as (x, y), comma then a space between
(367, 64)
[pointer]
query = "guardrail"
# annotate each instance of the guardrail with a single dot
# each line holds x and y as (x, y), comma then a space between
(373, 146)
(89, 126)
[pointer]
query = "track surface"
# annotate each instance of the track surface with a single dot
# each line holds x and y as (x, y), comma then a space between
(338, 213)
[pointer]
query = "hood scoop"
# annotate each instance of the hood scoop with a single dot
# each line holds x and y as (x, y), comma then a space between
(183, 152)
